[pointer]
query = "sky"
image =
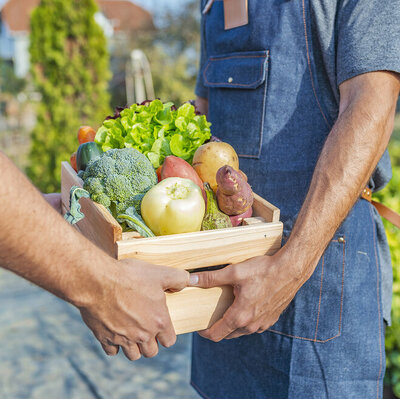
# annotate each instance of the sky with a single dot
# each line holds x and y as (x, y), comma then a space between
(152, 4)
(149, 4)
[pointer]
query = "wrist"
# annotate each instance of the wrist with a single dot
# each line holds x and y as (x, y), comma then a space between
(298, 264)
(95, 277)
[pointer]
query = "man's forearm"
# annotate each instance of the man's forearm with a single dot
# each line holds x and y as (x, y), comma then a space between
(348, 158)
(37, 244)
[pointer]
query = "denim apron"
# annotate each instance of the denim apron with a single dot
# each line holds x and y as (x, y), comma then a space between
(263, 99)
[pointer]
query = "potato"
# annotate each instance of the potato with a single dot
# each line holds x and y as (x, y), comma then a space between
(209, 157)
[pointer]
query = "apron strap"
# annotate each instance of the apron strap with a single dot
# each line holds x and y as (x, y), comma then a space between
(387, 213)
(208, 6)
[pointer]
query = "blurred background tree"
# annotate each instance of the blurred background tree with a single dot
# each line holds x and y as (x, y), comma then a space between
(172, 50)
(69, 65)
(390, 197)
(178, 44)
(9, 83)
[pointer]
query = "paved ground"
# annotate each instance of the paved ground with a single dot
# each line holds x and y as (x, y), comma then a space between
(46, 352)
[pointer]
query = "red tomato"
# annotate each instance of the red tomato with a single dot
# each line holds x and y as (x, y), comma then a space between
(86, 134)
(72, 161)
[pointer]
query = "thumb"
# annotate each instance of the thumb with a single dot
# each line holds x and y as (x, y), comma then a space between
(213, 278)
(174, 279)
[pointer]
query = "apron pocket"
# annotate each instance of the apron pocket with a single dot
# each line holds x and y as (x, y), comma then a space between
(315, 314)
(237, 84)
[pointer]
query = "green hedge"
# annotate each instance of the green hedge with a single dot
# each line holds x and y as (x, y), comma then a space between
(69, 66)
(390, 196)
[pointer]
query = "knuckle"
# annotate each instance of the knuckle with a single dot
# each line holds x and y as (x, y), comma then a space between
(143, 338)
(214, 338)
(181, 279)
(164, 321)
(152, 353)
(109, 351)
(205, 334)
(170, 342)
(242, 320)
(208, 279)
(251, 329)
(110, 340)
(132, 355)
(235, 273)
(160, 322)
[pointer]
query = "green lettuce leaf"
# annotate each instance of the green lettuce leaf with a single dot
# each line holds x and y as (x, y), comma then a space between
(157, 130)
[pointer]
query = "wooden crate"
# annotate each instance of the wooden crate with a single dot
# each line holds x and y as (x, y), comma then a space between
(192, 309)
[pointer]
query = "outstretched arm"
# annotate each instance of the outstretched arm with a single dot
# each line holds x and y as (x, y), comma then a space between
(264, 286)
(123, 303)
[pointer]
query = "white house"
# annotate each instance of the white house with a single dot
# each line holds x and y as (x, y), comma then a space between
(116, 17)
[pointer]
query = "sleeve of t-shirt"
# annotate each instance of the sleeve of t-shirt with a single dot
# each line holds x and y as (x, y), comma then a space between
(201, 90)
(368, 37)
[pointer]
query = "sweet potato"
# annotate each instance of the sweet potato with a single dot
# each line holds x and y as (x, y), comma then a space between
(234, 194)
(178, 167)
(238, 219)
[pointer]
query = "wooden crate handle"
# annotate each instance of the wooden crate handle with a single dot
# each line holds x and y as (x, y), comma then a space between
(98, 225)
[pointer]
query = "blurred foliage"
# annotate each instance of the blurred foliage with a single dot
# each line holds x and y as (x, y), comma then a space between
(9, 83)
(173, 52)
(175, 56)
(390, 197)
(69, 65)
(172, 81)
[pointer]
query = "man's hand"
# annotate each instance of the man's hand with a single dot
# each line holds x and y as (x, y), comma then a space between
(263, 287)
(130, 308)
(123, 302)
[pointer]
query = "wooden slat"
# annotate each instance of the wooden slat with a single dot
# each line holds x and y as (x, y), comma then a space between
(99, 226)
(69, 178)
(253, 220)
(205, 248)
(194, 309)
(128, 235)
(263, 208)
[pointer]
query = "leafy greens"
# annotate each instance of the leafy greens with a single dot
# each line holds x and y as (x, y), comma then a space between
(156, 130)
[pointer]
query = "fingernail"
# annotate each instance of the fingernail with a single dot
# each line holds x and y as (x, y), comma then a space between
(194, 279)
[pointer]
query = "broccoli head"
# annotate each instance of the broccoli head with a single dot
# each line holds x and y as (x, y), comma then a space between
(119, 179)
